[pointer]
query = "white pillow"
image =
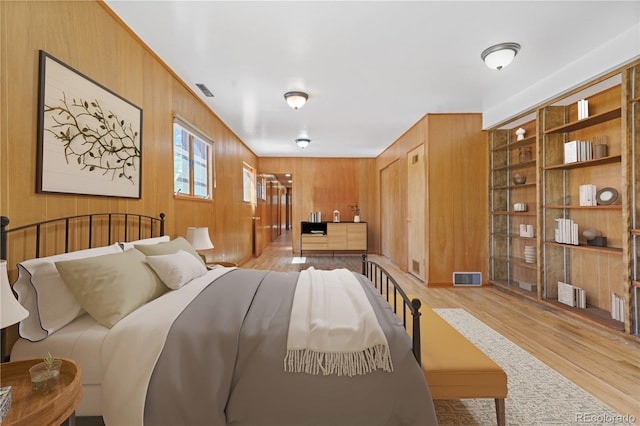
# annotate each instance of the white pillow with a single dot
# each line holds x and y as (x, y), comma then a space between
(152, 240)
(176, 269)
(42, 292)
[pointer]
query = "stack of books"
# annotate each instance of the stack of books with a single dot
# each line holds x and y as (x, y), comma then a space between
(5, 401)
(571, 295)
(575, 151)
(315, 217)
(526, 230)
(588, 195)
(583, 109)
(566, 232)
(617, 307)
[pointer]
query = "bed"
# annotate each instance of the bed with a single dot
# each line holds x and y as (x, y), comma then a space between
(191, 346)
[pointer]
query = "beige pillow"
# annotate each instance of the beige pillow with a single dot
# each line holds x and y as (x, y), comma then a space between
(169, 248)
(110, 287)
(176, 269)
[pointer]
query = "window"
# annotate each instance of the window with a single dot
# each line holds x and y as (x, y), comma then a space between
(192, 161)
(248, 183)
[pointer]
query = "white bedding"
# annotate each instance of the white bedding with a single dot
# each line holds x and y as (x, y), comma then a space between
(133, 346)
(120, 358)
(80, 340)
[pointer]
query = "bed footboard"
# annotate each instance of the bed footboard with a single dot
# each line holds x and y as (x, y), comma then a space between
(396, 297)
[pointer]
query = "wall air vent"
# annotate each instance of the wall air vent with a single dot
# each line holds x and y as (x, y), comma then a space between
(204, 89)
(467, 278)
(416, 267)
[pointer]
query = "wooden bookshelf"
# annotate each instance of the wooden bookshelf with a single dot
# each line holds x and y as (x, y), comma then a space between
(551, 192)
(509, 155)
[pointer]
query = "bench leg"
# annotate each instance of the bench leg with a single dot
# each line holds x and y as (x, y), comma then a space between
(500, 414)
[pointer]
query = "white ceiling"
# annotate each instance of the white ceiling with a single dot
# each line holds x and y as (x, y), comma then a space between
(374, 68)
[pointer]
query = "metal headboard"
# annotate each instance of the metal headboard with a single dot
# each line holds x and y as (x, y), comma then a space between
(146, 227)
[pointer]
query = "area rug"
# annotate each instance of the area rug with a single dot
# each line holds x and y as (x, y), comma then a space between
(538, 395)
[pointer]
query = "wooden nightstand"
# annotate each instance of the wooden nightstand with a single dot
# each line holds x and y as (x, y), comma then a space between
(30, 408)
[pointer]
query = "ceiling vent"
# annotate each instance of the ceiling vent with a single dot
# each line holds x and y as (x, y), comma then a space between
(204, 89)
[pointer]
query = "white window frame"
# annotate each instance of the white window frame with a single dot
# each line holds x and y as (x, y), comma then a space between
(194, 135)
(248, 183)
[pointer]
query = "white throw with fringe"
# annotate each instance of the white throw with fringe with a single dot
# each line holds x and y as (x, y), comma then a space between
(333, 328)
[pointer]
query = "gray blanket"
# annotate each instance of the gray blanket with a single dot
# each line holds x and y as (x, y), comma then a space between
(222, 364)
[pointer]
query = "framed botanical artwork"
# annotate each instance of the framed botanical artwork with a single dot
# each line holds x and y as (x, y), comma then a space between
(89, 138)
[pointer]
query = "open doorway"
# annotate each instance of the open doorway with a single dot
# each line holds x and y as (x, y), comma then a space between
(273, 216)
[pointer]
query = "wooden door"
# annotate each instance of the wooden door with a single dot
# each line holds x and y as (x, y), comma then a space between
(257, 234)
(274, 210)
(391, 227)
(416, 191)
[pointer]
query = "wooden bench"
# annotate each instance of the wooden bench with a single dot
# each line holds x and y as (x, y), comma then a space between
(455, 368)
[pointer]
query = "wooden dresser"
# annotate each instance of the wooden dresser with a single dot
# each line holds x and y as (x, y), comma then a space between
(333, 236)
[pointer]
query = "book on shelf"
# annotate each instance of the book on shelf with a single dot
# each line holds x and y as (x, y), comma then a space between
(581, 297)
(526, 230)
(586, 151)
(527, 285)
(617, 307)
(566, 294)
(583, 109)
(571, 152)
(571, 295)
(315, 217)
(588, 195)
(566, 231)
(575, 151)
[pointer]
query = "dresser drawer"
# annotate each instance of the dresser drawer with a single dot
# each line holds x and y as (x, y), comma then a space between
(313, 242)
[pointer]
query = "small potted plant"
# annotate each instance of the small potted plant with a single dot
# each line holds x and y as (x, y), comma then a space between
(356, 212)
(45, 374)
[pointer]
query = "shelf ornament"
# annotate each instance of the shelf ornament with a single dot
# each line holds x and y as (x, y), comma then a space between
(356, 212)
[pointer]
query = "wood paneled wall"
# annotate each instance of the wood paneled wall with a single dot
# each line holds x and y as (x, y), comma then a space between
(456, 164)
(87, 37)
(326, 184)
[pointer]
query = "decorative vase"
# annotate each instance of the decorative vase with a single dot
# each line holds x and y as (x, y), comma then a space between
(600, 150)
(356, 218)
(44, 378)
(525, 155)
(519, 179)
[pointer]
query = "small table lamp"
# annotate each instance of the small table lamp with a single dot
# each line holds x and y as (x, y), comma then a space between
(199, 239)
(11, 311)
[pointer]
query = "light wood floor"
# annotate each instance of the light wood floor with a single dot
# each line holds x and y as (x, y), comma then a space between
(604, 363)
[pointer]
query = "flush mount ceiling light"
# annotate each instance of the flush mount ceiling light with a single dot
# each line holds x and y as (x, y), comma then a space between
(296, 99)
(303, 142)
(499, 56)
